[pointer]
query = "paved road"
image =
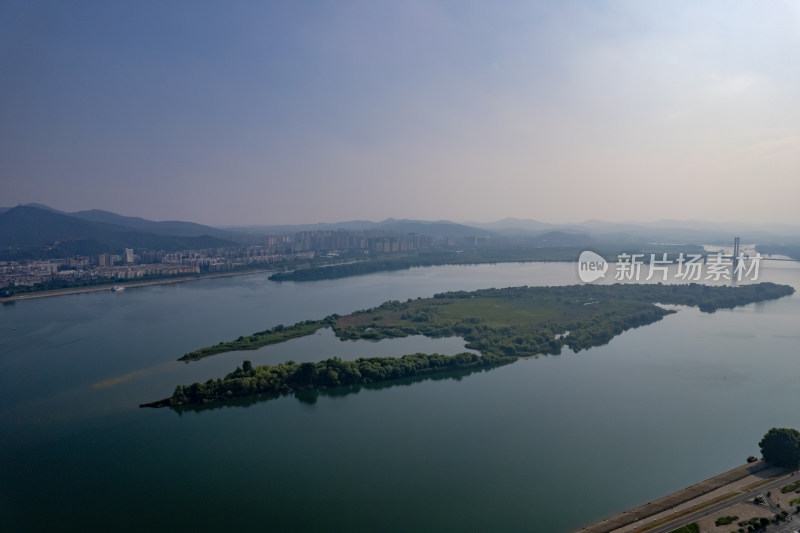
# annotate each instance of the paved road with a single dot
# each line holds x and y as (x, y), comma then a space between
(717, 507)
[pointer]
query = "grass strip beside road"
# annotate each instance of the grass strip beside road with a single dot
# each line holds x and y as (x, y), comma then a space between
(690, 528)
(689, 511)
(791, 487)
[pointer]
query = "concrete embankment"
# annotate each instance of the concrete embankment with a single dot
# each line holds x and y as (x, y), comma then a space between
(668, 502)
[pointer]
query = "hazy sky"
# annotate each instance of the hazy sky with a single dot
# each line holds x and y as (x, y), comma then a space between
(306, 111)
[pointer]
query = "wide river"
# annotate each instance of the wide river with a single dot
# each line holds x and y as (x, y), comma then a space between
(547, 445)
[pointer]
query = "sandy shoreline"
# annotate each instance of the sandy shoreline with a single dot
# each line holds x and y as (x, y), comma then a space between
(127, 285)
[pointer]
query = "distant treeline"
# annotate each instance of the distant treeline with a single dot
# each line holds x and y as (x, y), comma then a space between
(477, 256)
(402, 262)
(248, 380)
(789, 250)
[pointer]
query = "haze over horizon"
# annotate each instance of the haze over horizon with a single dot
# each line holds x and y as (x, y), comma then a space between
(504, 223)
(291, 112)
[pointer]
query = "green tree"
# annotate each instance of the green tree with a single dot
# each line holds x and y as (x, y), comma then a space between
(305, 374)
(781, 447)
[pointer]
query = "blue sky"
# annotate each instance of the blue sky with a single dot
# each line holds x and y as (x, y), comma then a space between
(289, 112)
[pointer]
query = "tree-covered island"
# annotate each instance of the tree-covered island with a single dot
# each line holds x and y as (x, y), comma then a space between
(502, 324)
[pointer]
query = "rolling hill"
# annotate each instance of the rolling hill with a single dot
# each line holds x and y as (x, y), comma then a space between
(29, 232)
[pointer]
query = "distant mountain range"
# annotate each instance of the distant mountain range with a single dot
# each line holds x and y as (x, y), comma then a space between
(35, 230)
(39, 232)
(534, 231)
(662, 231)
(440, 228)
(173, 227)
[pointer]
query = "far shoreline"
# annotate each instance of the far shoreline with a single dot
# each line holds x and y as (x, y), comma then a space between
(127, 284)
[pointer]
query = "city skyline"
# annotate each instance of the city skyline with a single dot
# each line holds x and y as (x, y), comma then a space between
(293, 113)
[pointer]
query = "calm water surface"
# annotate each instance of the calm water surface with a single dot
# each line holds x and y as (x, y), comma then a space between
(541, 445)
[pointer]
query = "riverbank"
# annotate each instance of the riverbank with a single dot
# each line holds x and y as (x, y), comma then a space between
(699, 501)
(130, 284)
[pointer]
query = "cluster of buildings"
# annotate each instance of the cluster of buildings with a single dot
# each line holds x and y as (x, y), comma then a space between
(135, 266)
(146, 263)
(225, 259)
(371, 240)
(72, 269)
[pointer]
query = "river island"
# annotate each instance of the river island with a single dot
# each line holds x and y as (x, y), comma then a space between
(503, 325)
